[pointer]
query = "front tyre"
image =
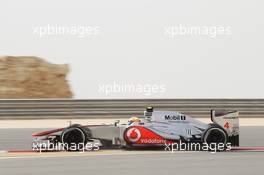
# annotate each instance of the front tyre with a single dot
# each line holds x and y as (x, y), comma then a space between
(74, 138)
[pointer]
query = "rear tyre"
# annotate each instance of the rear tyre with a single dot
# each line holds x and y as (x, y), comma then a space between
(216, 138)
(74, 138)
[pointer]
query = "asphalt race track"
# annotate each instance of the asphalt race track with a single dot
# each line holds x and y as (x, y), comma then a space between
(130, 162)
(172, 163)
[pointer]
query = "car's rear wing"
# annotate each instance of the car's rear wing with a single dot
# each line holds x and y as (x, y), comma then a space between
(229, 121)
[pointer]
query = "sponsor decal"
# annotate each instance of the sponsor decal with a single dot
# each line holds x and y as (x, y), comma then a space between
(152, 141)
(133, 134)
(175, 117)
(141, 135)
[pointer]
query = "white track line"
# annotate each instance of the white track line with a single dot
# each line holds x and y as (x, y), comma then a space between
(82, 154)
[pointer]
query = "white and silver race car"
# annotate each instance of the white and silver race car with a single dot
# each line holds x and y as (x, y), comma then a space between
(156, 128)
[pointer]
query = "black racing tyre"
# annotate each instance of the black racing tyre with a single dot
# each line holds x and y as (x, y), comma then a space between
(74, 138)
(215, 137)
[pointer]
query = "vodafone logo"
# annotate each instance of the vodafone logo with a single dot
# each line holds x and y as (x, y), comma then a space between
(133, 134)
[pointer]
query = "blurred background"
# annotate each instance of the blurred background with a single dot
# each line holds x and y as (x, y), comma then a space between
(142, 48)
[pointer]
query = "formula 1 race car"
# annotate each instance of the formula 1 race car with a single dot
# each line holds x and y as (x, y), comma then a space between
(157, 128)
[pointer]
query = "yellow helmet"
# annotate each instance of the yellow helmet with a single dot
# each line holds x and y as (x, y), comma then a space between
(134, 120)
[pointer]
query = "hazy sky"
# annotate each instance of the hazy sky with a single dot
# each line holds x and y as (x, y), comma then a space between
(132, 46)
